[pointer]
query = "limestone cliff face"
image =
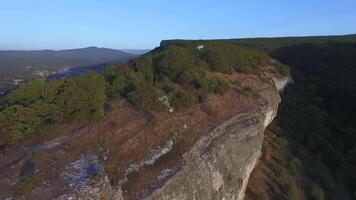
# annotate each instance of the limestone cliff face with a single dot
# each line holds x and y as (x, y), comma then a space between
(219, 165)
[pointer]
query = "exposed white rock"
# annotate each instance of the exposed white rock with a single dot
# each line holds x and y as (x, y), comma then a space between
(86, 179)
(165, 101)
(218, 166)
(79, 172)
(217, 180)
(159, 152)
(200, 47)
(269, 117)
(281, 83)
(151, 158)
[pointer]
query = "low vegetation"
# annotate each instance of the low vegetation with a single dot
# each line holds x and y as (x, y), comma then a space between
(39, 105)
(25, 184)
(181, 73)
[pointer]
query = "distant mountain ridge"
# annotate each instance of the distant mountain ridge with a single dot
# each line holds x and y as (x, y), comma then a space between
(136, 51)
(15, 61)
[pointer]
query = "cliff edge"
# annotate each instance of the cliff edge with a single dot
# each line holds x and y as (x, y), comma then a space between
(187, 122)
(219, 165)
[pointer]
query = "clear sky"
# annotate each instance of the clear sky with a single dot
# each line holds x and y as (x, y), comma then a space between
(61, 24)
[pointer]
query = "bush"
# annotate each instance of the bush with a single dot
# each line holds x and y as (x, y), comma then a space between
(294, 166)
(145, 99)
(25, 184)
(119, 85)
(214, 85)
(292, 193)
(317, 193)
(37, 105)
(183, 100)
(27, 93)
(179, 98)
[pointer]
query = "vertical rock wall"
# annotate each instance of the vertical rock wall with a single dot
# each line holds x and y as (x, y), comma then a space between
(219, 165)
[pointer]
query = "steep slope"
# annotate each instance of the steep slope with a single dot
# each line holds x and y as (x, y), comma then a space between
(219, 165)
(315, 122)
(182, 121)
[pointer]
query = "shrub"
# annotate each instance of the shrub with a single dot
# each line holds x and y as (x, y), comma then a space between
(119, 85)
(294, 166)
(280, 170)
(27, 93)
(292, 193)
(145, 99)
(35, 106)
(25, 184)
(214, 85)
(183, 100)
(17, 122)
(317, 193)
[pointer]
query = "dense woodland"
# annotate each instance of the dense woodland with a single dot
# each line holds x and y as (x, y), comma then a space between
(318, 111)
(181, 73)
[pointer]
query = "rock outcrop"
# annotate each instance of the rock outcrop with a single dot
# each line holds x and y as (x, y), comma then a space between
(219, 165)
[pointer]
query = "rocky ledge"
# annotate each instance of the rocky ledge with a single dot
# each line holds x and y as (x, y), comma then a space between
(215, 165)
(218, 166)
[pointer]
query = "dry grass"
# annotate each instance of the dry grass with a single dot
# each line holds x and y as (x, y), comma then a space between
(126, 136)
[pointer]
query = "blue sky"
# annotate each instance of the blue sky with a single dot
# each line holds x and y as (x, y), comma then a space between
(62, 24)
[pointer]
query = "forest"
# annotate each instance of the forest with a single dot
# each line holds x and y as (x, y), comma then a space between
(316, 116)
(181, 73)
(318, 110)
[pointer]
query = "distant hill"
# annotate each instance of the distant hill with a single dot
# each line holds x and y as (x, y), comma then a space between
(136, 51)
(17, 62)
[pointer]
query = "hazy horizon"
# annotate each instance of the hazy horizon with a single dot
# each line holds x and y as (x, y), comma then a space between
(42, 24)
(53, 49)
(139, 49)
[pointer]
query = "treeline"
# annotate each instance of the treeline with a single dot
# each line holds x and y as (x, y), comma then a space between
(173, 76)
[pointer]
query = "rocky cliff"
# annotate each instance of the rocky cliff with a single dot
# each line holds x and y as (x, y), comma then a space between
(219, 165)
(205, 151)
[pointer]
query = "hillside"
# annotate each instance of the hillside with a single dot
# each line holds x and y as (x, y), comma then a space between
(12, 62)
(150, 112)
(316, 118)
(19, 66)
